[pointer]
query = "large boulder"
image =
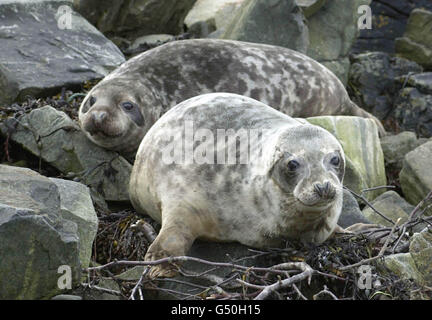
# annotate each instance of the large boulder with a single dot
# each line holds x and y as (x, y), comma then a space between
(415, 177)
(417, 263)
(392, 206)
(332, 31)
(416, 43)
(395, 147)
(310, 7)
(364, 156)
(35, 241)
(58, 140)
(76, 205)
(47, 46)
(132, 19)
(372, 83)
(275, 22)
(207, 16)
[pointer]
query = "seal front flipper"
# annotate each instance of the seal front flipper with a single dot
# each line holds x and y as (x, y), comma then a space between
(175, 238)
(339, 231)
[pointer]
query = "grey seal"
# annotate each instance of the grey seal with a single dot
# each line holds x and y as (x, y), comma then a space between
(120, 109)
(284, 180)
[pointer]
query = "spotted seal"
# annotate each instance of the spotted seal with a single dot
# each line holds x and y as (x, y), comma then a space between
(284, 179)
(120, 109)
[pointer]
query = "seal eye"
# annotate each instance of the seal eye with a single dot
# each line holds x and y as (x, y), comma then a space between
(335, 161)
(92, 101)
(128, 106)
(293, 165)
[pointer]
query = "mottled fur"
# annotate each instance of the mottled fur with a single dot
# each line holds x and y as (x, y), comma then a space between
(162, 77)
(257, 203)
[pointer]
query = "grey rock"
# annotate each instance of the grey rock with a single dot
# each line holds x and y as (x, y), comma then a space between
(332, 31)
(372, 82)
(351, 213)
(207, 16)
(391, 205)
(395, 147)
(421, 81)
(416, 43)
(415, 177)
(417, 263)
(53, 136)
(34, 239)
(274, 22)
(132, 19)
(38, 57)
(76, 205)
(310, 7)
(413, 111)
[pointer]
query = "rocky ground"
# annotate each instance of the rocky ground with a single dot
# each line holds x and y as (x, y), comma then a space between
(71, 198)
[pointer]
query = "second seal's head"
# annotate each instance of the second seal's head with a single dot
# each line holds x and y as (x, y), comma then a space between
(113, 117)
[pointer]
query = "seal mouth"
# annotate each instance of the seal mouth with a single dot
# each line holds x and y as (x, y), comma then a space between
(101, 134)
(317, 206)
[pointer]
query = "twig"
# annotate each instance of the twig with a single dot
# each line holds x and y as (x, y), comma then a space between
(104, 290)
(171, 260)
(138, 285)
(411, 218)
(324, 291)
(377, 188)
(306, 274)
(370, 205)
(380, 254)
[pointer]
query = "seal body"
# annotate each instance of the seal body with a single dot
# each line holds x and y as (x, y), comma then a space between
(120, 109)
(225, 167)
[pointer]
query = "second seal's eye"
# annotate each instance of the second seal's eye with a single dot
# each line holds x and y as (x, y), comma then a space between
(293, 165)
(127, 105)
(92, 100)
(335, 160)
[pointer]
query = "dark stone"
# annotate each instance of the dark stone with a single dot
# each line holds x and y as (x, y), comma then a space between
(38, 58)
(351, 213)
(372, 82)
(413, 111)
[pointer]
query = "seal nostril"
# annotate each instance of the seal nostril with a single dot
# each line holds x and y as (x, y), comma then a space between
(324, 190)
(319, 189)
(327, 187)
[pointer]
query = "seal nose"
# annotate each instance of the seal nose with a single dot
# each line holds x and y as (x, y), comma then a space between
(324, 190)
(98, 117)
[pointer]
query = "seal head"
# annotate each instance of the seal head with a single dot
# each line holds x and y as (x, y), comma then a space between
(115, 116)
(309, 174)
